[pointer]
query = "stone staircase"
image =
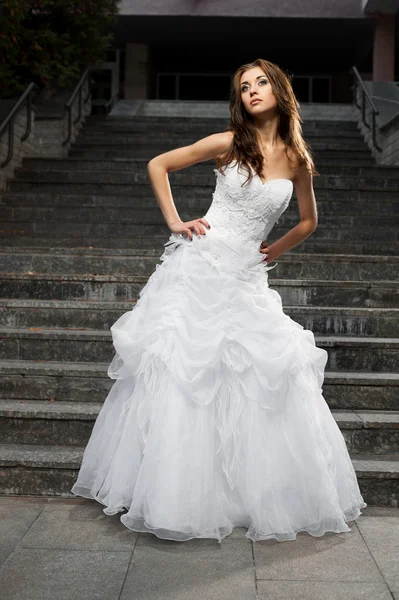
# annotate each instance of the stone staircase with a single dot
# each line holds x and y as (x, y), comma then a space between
(81, 236)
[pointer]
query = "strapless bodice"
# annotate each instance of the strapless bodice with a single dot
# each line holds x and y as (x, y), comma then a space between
(249, 211)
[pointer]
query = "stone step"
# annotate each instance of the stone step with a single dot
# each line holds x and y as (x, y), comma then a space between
(98, 202)
(361, 354)
(310, 292)
(130, 165)
(363, 201)
(192, 123)
(17, 237)
(39, 470)
(352, 390)
(93, 222)
(189, 178)
(70, 424)
(344, 234)
(165, 129)
(82, 229)
(142, 122)
(52, 470)
(47, 423)
(339, 207)
(89, 382)
(322, 320)
(351, 158)
(70, 381)
(153, 216)
(103, 261)
(337, 148)
(168, 140)
(140, 189)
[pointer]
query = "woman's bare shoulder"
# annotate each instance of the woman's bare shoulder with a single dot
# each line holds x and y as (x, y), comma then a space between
(223, 141)
(227, 136)
(212, 146)
(293, 157)
(204, 149)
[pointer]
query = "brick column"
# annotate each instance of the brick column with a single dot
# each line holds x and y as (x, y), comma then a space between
(384, 48)
(136, 71)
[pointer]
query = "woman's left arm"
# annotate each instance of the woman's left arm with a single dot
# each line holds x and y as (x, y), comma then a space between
(303, 182)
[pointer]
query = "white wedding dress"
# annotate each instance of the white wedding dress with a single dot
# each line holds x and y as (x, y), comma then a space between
(216, 419)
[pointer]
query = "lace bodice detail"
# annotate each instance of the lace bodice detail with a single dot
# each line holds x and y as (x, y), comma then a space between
(249, 211)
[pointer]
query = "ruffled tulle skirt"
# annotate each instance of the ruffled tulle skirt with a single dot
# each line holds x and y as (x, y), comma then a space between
(216, 418)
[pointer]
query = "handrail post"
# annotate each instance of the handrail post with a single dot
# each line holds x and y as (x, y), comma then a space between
(357, 81)
(79, 107)
(68, 106)
(88, 79)
(374, 132)
(355, 87)
(10, 150)
(26, 97)
(69, 111)
(28, 118)
(364, 111)
(8, 122)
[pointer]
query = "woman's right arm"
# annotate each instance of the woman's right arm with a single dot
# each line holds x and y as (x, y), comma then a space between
(159, 167)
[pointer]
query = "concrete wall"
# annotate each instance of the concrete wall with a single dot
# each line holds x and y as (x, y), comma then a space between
(249, 8)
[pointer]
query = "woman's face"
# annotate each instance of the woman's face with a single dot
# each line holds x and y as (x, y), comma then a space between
(256, 89)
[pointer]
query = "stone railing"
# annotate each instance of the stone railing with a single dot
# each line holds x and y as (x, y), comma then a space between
(58, 121)
(16, 133)
(54, 125)
(378, 118)
(390, 142)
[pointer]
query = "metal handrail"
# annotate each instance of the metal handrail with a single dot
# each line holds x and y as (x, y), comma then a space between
(358, 82)
(26, 97)
(68, 106)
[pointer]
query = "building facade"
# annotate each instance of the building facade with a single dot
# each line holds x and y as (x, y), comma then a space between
(188, 49)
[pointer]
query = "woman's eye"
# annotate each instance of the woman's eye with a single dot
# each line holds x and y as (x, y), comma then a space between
(245, 87)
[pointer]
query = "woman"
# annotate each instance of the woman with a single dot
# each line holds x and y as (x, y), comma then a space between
(216, 418)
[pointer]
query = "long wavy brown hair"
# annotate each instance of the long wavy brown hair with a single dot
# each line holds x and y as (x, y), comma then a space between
(245, 146)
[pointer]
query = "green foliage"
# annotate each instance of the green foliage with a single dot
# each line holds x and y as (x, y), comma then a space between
(51, 42)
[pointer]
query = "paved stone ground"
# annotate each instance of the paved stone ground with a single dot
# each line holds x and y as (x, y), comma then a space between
(68, 549)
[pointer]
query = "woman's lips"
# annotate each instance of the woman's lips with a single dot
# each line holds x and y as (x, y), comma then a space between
(255, 101)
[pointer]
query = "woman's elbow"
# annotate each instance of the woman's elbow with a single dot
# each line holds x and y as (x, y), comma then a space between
(155, 167)
(310, 225)
(151, 163)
